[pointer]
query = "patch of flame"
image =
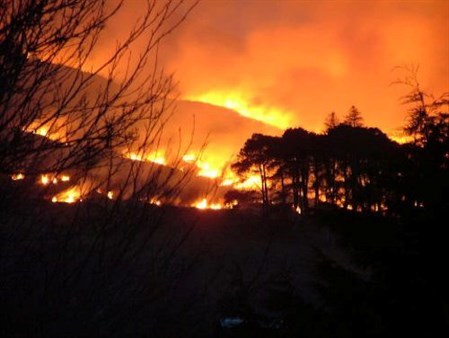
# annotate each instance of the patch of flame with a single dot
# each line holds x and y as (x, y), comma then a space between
(237, 102)
(189, 158)
(155, 157)
(204, 204)
(50, 130)
(110, 195)
(401, 139)
(207, 170)
(155, 201)
(45, 179)
(252, 182)
(70, 195)
(17, 177)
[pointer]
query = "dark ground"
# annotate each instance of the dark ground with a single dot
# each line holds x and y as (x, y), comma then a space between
(99, 269)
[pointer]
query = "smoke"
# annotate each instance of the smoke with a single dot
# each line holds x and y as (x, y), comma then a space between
(310, 58)
(294, 62)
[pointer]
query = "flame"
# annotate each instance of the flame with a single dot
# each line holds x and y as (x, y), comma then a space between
(45, 179)
(65, 178)
(236, 101)
(155, 201)
(17, 177)
(252, 182)
(134, 156)
(70, 195)
(189, 158)
(51, 130)
(110, 195)
(207, 170)
(401, 139)
(227, 182)
(155, 157)
(204, 204)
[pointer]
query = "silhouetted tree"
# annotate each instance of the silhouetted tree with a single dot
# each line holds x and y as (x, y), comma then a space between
(353, 118)
(255, 157)
(331, 121)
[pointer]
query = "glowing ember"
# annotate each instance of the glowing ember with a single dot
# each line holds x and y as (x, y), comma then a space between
(232, 204)
(70, 195)
(110, 195)
(236, 101)
(18, 177)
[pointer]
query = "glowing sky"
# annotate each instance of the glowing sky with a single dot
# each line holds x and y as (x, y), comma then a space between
(304, 59)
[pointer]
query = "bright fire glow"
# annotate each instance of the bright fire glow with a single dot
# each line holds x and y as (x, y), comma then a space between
(207, 170)
(45, 179)
(51, 130)
(401, 139)
(18, 177)
(65, 178)
(70, 195)
(155, 157)
(252, 182)
(110, 195)
(189, 158)
(237, 102)
(204, 204)
(155, 201)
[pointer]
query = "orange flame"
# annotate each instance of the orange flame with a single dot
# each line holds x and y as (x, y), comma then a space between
(237, 102)
(155, 157)
(70, 195)
(204, 204)
(17, 177)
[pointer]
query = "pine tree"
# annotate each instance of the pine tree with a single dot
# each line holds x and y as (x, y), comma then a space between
(354, 118)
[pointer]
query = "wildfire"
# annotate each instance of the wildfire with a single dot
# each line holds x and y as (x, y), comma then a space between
(70, 195)
(17, 177)
(51, 130)
(204, 204)
(236, 101)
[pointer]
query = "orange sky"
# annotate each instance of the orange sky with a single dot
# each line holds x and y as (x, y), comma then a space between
(304, 59)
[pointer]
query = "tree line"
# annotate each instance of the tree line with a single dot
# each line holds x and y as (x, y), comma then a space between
(353, 166)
